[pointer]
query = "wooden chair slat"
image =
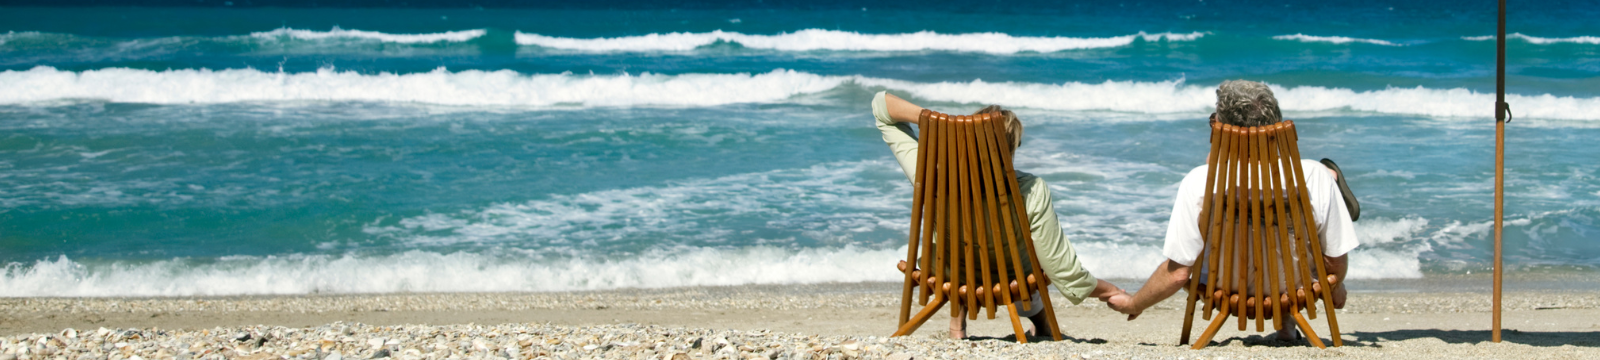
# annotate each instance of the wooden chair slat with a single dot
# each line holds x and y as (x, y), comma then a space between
(916, 224)
(924, 154)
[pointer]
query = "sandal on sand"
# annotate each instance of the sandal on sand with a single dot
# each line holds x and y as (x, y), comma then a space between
(1344, 188)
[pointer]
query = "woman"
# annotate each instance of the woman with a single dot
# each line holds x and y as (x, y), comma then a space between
(1056, 255)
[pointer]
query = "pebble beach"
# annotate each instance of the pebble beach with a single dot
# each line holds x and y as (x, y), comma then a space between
(828, 321)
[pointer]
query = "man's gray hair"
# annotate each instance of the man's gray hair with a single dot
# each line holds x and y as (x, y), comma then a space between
(1246, 103)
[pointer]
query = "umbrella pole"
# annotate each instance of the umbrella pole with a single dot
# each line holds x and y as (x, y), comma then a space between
(1500, 109)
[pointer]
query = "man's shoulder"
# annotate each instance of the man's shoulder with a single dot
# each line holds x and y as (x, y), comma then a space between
(1195, 178)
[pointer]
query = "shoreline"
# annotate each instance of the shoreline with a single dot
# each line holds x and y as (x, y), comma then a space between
(826, 319)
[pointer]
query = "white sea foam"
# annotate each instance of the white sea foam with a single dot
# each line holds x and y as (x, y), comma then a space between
(1178, 97)
(1590, 40)
(9, 35)
(421, 271)
(337, 33)
(509, 88)
(502, 88)
(1108, 260)
(1393, 248)
(1334, 39)
(1422, 101)
(1383, 264)
(1408, 175)
(818, 39)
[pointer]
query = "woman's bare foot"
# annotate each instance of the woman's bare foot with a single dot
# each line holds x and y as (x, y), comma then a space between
(958, 324)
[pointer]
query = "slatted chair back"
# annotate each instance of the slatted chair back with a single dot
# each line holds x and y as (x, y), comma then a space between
(1261, 248)
(970, 241)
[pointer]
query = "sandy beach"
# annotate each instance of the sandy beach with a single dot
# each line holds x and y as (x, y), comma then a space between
(768, 321)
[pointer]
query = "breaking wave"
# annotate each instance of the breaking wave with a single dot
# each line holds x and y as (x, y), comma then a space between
(818, 39)
(1590, 40)
(1334, 39)
(510, 88)
(337, 33)
(422, 271)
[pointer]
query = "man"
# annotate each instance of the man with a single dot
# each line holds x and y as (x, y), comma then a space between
(1247, 103)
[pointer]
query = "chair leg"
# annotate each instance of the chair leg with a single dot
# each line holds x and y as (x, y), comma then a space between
(1188, 317)
(1306, 327)
(1016, 324)
(1333, 322)
(922, 316)
(905, 302)
(1211, 330)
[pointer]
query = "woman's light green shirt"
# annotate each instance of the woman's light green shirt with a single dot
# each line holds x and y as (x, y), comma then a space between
(1056, 255)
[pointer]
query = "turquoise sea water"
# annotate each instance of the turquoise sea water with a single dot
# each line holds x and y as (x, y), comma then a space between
(249, 150)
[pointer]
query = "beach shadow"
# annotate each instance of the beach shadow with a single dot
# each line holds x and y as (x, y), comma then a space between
(1267, 340)
(1532, 338)
(1033, 339)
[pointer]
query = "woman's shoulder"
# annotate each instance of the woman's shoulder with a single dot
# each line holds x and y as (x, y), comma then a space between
(1029, 183)
(1025, 179)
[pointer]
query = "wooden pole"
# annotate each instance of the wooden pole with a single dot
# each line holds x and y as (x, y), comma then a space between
(1500, 109)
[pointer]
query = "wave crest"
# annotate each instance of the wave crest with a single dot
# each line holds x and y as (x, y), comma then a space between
(472, 87)
(337, 33)
(818, 39)
(1590, 40)
(1334, 39)
(510, 88)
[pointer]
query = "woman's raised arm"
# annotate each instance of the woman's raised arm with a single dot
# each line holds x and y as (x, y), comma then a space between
(901, 110)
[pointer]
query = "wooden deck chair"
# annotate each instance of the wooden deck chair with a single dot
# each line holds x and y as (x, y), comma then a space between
(970, 240)
(1261, 247)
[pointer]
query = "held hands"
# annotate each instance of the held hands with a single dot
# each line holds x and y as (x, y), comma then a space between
(1122, 302)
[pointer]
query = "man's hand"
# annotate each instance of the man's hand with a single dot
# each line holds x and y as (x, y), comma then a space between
(1168, 278)
(1339, 294)
(1123, 303)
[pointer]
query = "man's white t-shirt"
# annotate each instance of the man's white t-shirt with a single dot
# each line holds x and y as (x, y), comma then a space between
(1334, 228)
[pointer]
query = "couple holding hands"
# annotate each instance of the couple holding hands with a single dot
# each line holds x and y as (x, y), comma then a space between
(1239, 103)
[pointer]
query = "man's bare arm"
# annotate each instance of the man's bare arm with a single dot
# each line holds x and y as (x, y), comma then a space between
(901, 110)
(1165, 281)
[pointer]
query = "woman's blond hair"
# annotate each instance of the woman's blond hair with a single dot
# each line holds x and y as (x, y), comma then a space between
(1012, 124)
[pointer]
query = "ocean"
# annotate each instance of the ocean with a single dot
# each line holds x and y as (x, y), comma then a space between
(238, 150)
